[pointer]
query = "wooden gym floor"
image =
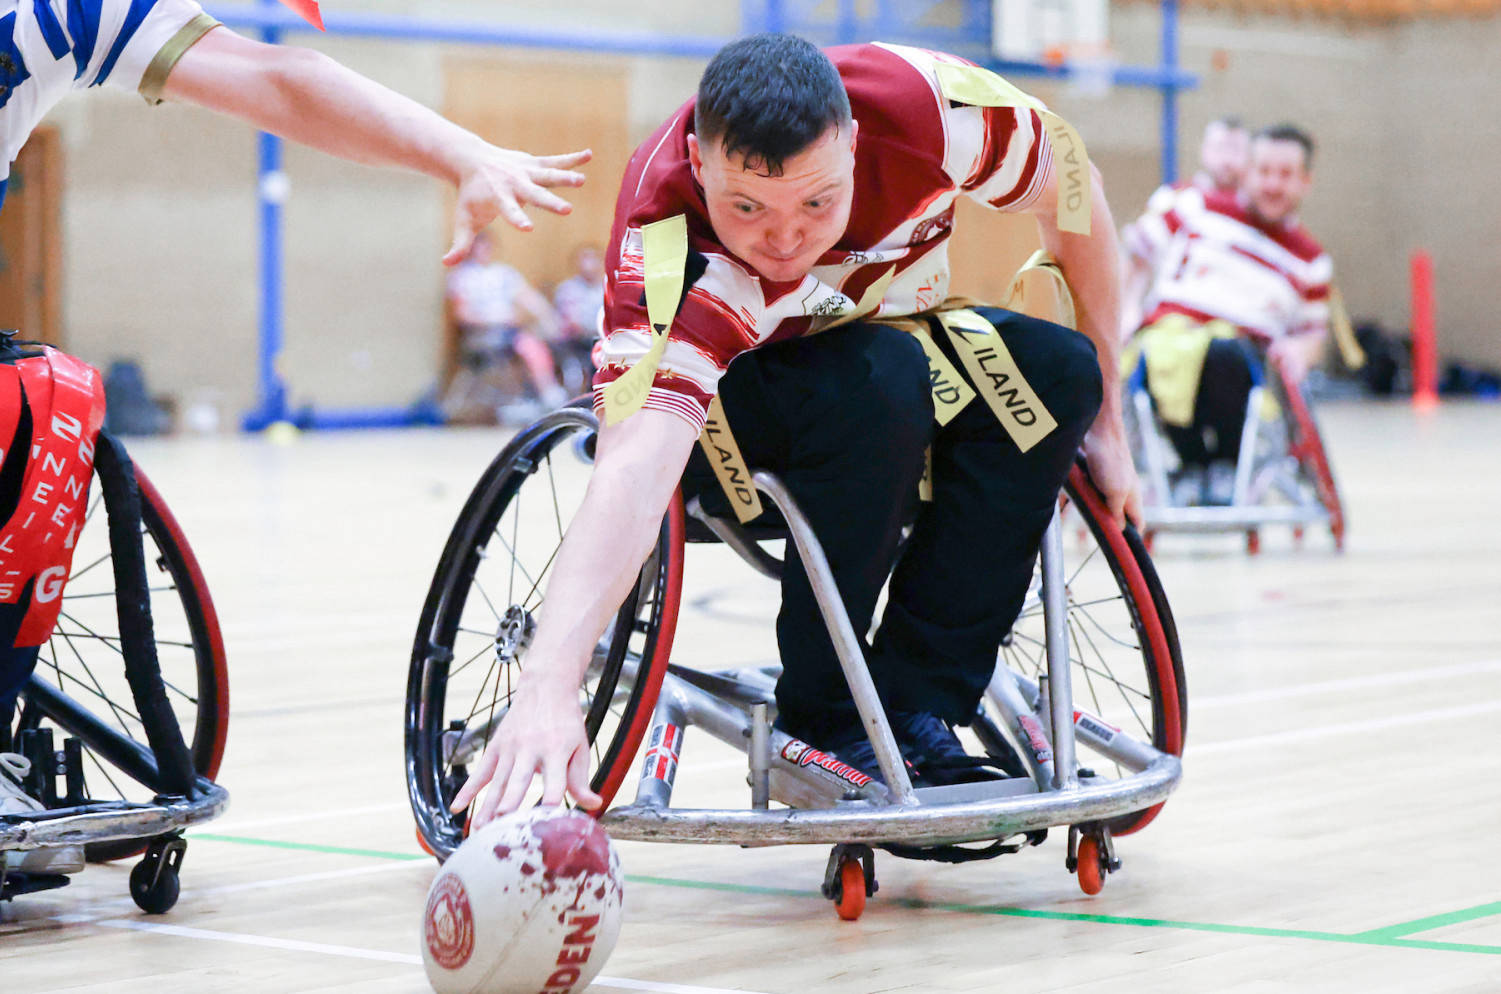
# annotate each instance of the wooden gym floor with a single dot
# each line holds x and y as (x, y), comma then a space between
(1335, 829)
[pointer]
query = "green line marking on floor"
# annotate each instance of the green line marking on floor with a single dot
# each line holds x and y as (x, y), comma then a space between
(1435, 921)
(309, 847)
(1389, 937)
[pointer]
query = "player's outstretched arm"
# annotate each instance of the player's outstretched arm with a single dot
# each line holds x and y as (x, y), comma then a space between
(309, 98)
(637, 466)
(1091, 264)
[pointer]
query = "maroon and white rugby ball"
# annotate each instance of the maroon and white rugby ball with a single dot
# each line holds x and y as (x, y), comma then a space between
(529, 904)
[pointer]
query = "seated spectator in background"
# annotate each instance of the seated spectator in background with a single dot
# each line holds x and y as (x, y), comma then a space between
(500, 318)
(580, 301)
(1222, 163)
(1239, 275)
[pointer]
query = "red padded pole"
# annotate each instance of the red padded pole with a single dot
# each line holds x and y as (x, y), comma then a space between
(1424, 349)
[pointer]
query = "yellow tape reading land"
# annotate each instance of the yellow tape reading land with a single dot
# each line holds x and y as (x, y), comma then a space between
(1043, 263)
(982, 88)
(950, 392)
(997, 379)
(729, 465)
(664, 246)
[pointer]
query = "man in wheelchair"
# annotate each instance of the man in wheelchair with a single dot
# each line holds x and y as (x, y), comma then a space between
(783, 219)
(1237, 278)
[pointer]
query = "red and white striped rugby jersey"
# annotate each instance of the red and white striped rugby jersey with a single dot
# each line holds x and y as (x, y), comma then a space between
(917, 153)
(1219, 261)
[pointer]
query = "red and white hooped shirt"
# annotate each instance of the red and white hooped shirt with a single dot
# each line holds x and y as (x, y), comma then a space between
(1217, 260)
(917, 154)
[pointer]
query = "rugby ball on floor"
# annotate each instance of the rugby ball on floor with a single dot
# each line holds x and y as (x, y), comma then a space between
(529, 904)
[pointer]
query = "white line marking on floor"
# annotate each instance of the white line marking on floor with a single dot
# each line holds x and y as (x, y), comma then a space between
(355, 952)
(1349, 728)
(231, 827)
(1435, 673)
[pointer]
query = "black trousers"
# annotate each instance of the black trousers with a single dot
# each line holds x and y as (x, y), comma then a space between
(15, 664)
(1219, 408)
(844, 418)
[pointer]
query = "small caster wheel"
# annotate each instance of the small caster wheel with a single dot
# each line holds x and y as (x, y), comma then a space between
(851, 900)
(1091, 867)
(1148, 539)
(153, 892)
(1253, 542)
(1298, 536)
(154, 884)
(849, 879)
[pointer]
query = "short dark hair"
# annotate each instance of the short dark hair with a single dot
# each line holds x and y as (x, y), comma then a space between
(768, 97)
(1290, 133)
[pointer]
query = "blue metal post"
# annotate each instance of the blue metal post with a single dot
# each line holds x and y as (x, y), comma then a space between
(271, 188)
(1170, 91)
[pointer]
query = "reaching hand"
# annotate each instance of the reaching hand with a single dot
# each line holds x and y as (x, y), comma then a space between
(543, 731)
(1109, 460)
(500, 181)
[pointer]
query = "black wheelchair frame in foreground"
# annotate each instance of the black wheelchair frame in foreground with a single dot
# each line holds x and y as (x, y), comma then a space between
(126, 778)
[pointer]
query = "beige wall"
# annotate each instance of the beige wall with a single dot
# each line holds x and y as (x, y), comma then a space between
(160, 212)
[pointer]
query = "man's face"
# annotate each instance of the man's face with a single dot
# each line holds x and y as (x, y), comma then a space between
(780, 224)
(1277, 180)
(1223, 154)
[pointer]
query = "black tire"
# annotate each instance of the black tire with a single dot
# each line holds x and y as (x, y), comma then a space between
(80, 671)
(1126, 663)
(452, 707)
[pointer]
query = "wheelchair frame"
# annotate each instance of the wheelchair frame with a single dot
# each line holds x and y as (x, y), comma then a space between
(830, 802)
(1298, 473)
(180, 776)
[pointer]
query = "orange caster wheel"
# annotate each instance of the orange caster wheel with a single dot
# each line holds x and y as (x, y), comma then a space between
(421, 842)
(1091, 867)
(849, 879)
(851, 901)
(1253, 542)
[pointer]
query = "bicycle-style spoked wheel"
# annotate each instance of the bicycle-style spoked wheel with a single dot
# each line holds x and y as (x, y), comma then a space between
(486, 599)
(80, 688)
(1125, 663)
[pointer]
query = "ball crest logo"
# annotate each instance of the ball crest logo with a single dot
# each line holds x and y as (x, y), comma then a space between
(449, 930)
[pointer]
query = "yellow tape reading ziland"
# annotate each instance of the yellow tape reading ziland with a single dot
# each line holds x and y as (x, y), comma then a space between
(983, 88)
(729, 465)
(997, 379)
(664, 247)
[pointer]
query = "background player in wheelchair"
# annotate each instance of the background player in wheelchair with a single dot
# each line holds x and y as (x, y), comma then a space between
(812, 197)
(1238, 310)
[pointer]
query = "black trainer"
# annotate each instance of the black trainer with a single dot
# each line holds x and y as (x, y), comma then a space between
(933, 753)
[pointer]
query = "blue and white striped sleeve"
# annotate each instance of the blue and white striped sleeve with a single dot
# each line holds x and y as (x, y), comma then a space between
(133, 44)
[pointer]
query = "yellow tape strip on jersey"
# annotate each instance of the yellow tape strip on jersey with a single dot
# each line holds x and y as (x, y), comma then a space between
(982, 88)
(1042, 262)
(729, 465)
(664, 247)
(1344, 335)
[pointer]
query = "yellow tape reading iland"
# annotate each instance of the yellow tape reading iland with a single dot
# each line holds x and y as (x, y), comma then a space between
(1043, 263)
(729, 465)
(982, 88)
(664, 247)
(997, 379)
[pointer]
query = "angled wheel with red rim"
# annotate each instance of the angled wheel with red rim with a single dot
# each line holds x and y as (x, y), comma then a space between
(482, 610)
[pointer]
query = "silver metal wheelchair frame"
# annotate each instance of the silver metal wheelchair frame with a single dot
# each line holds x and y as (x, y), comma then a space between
(831, 803)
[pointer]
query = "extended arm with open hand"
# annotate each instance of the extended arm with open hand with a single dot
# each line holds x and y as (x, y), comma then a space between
(638, 464)
(309, 98)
